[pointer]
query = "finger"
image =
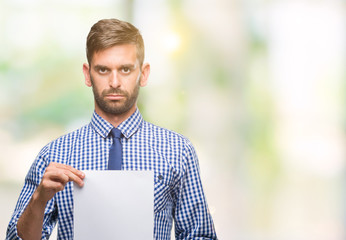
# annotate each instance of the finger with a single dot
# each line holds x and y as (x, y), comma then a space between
(58, 176)
(55, 186)
(72, 169)
(48, 188)
(73, 177)
(64, 173)
(68, 167)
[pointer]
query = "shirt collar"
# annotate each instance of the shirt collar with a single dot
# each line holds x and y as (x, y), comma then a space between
(131, 125)
(127, 127)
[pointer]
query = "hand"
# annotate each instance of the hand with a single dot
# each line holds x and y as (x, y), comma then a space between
(55, 178)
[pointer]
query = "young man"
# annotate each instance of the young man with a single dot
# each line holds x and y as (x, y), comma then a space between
(115, 71)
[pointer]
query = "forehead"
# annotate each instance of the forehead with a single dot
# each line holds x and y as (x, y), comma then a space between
(116, 55)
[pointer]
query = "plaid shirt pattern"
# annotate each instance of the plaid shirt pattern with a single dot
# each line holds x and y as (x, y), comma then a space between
(178, 192)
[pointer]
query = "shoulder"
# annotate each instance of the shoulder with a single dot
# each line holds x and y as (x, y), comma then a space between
(160, 133)
(169, 141)
(174, 147)
(63, 144)
(70, 137)
(57, 150)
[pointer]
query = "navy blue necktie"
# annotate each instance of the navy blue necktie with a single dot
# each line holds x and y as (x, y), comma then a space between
(116, 151)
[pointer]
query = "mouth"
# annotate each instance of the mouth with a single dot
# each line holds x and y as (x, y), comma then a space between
(114, 97)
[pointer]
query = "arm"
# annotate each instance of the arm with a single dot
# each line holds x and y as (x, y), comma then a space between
(192, 217)
(54, 180)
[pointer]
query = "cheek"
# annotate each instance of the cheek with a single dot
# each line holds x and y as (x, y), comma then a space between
(131, 89)
(100, 84)
(98, 89)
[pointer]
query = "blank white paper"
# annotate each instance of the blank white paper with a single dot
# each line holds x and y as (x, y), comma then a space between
(114, 205)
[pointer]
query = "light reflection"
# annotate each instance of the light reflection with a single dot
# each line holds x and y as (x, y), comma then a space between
(171, 42)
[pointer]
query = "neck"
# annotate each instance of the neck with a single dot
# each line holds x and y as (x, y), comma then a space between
(115, 119)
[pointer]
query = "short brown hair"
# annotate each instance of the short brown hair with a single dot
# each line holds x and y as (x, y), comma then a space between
(107, 33)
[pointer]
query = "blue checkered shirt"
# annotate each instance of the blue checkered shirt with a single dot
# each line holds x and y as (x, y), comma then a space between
(178, 192)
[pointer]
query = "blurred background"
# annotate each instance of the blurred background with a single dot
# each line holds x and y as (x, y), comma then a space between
(257, 85)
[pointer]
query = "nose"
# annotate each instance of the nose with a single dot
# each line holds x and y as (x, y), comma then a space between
(114, 80)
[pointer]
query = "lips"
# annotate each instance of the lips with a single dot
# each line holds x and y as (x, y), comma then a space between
(114, 96)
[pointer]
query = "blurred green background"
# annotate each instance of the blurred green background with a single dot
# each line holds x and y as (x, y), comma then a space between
(257, 85)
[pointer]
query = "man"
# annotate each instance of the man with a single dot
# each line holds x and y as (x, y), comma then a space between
(115, 71)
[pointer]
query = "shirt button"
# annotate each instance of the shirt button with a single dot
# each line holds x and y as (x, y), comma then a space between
(160, 177)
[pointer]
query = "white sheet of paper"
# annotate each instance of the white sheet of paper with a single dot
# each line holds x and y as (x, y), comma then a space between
(114, 205)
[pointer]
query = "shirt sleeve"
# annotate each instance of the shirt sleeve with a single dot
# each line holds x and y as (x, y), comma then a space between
(192, 217)
(32, 180)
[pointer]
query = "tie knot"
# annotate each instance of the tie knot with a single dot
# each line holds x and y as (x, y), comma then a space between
(116, 133)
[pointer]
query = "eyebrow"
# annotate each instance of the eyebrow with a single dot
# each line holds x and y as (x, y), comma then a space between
(98, 67)
(131, 66)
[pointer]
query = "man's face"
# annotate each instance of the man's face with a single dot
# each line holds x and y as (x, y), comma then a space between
(115, 100)
(115, 77)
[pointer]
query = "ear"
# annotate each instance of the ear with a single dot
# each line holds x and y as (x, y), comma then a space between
(86, 73)
(145, 74)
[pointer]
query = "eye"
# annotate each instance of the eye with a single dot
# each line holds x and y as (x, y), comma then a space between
(102, 70)
(126, 70)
